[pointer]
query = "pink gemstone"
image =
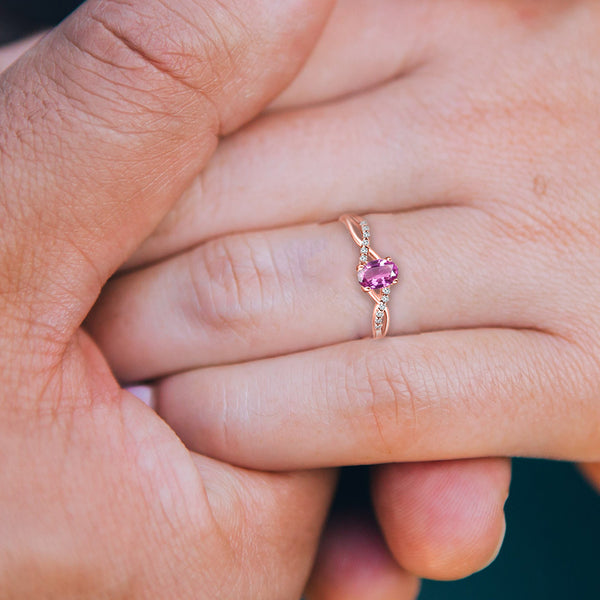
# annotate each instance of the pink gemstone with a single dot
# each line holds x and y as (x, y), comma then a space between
(377, 274)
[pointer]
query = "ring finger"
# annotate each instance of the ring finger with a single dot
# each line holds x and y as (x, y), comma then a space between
(254, 295)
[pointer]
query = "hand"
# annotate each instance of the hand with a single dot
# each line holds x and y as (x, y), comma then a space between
(103, 124)
(483, 177)
(478, 172)
(151, 322)
(354, 559)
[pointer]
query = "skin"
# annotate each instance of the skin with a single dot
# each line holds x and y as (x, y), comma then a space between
(502, 211)
(104, 126)
(463, 156)
(345, 84)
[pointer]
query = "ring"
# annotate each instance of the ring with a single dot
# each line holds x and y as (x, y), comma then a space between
(375, 274)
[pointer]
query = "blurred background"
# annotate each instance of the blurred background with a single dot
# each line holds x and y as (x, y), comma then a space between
(552, 545)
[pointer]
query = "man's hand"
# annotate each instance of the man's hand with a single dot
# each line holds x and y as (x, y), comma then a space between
(103, 125)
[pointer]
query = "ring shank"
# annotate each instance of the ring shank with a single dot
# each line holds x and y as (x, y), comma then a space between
(380, 320)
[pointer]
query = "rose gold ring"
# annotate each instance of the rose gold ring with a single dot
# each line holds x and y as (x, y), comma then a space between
(375, 274)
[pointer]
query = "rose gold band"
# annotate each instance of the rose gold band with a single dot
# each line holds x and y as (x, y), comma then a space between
(360, 232)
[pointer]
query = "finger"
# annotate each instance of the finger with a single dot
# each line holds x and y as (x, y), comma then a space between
(11, 52)
(435, 396)
(284, 511)
(258, 294)
(354, 563)
(365, 43)
(375, 152)
(110, 116)
(443, 520)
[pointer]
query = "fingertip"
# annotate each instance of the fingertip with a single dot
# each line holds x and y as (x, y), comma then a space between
(443, 520)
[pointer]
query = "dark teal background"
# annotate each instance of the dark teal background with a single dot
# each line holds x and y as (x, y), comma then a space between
(552, 545)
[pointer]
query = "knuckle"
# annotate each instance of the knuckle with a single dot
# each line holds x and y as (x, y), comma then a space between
(235, 281)
(534, 226)
(389, 396)
(196, 47)
(158, 54)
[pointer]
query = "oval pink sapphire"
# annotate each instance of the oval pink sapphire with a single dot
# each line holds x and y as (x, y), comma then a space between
(377, 274)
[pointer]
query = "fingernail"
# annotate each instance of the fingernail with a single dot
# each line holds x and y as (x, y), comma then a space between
(145, 393)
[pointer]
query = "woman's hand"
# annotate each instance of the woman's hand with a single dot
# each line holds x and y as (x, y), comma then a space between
(103, 125)
(478, 172)
(476, 161)
(451, 521)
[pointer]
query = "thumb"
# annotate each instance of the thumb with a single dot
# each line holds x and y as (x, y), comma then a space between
(109, 117)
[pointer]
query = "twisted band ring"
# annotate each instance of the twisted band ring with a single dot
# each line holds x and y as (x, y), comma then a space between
(375, 274)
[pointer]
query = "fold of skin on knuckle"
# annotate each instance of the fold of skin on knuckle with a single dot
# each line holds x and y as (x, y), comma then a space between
(128, 63)
(235, 281)
(407, 393)
(200, 47)
(390, 388)
(235, 288)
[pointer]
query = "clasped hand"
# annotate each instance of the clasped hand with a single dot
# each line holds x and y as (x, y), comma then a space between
(161, 148)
